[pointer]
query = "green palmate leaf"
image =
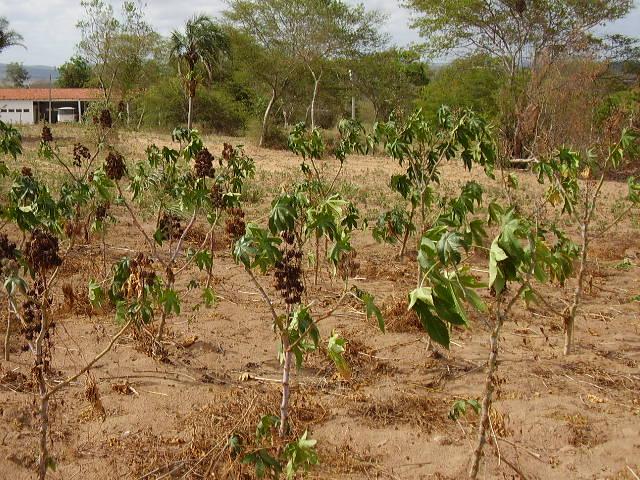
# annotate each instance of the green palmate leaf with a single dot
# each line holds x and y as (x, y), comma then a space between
(266, 425)
(203, 259)
(341, 246)
(209, 297)
(170, 301)
(449, 247)
(459, 408)
(435, 328)
(284, 214)
(372, 309)
(96, 294)
(335, 350)
(300, 454)
(496, 277)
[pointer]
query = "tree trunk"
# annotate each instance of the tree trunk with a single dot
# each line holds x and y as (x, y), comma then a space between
(266, 116)
(286, 373)
(189, 119)
(486, 401)
(570, 318)
(316, 83)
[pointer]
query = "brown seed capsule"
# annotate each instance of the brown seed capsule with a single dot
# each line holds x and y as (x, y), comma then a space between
(105, 118)
(216, 196)
(26, 172)
(80, 153)
(227, 151)
(170, 226)
(46, 136)
(288, 275)
(235, 224)
(7, 248)
(204, 164)
(102, 211)
(42, 250)
(114, 165)
(348, 266)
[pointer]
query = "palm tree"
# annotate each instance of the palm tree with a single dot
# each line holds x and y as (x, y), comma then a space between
(202, 43)
(8, 38)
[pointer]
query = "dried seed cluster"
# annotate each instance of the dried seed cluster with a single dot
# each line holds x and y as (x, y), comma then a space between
(7, 248)
(26, 172)
(42, 250)
(227, 151)
(102, 211)
(105, 120)
(204, 164)
(80, 153)
(114, 166)
(46, 136)
(288, 272)
(73, 229)
(141, 273)
(217, 196)
(32, 313)
(169, 225)
(235, 225)
(348, 266)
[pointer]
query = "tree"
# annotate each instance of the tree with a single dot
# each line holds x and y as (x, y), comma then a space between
(522, 35)
(470, 82)
(74, 73)
(116, 47)
(309, 32)
(203, 44)
(17, 75)
(390, 80)
(8, 37)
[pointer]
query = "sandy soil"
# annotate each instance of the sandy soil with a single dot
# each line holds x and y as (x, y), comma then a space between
(555, 417)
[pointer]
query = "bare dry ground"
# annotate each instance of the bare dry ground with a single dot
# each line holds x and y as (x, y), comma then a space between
(555, 417)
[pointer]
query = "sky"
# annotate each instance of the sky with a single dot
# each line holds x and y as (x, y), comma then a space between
(50, 34)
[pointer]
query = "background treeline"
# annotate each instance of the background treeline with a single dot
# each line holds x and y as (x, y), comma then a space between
(534, 68)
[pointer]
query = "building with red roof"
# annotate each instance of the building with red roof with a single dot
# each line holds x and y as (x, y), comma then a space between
(33, 105)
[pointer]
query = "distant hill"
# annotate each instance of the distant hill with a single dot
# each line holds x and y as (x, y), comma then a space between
(39, 73)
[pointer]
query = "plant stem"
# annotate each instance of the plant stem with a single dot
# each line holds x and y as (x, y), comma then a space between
(490, 381)
(6, 334)
(407, 230)
(488, 393)
(44, 398)
(570, 318)
(286, 372)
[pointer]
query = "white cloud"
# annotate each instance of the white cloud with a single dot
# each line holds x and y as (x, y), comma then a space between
(49, 31)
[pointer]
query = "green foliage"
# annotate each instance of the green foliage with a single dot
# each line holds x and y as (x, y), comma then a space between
(472, 82)
(10, 142)
(74, 73)
(335, 350)
(16, 75)
(459, 408)
(297, 455)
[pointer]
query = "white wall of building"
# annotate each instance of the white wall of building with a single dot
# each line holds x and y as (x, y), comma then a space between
(16, 111)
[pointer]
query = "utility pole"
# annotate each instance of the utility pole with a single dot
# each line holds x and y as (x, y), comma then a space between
(353, 98)
(49, 98)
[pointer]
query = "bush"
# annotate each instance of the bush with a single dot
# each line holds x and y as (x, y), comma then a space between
(219, 111)
(276, 138)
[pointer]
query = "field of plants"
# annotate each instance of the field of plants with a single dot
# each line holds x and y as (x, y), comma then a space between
(396, 304)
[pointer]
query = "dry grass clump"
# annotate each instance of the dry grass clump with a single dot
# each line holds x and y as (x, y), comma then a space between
(16, 381)
(398, 318)
(364, 366)
(201, 449)
(426, 412)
